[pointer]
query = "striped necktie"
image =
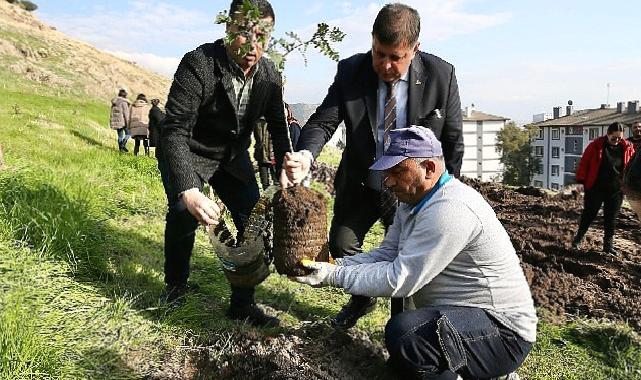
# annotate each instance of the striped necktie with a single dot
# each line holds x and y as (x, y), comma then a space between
(388, 201)
(389, 122)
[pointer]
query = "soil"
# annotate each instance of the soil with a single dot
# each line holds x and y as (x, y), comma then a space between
(300, 229)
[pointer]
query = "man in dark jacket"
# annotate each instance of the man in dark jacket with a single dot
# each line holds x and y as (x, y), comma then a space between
(218, 93)
(635, 139)
(156, 117)
(393, 85)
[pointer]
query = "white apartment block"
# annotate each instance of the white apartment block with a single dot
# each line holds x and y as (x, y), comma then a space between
(563, 139)
(481, 160)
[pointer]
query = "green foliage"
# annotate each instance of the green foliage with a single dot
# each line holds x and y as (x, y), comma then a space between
(28, 5)
(514, 145)
(25, 4)
(248, 17)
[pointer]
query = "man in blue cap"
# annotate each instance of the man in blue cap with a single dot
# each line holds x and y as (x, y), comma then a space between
(449, 254)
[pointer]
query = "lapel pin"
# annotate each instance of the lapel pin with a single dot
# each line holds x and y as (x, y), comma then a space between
(418, 82)
(437, 113)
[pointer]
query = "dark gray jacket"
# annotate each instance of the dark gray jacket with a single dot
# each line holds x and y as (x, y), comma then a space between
(201, 132)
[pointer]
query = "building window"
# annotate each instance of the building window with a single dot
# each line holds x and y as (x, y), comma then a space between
(556, 134)
(555, 152)
(555, 186)
(574, 131)
(540, 134)
(538, 184)
(540, 169)
(555, 170)
(594, 133)
(538, 151)
(576, 146)
(574, 164)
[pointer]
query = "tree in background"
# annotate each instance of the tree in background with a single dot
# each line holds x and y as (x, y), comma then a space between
(515, 146)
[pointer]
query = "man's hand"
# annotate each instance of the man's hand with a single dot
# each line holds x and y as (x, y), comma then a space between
(323, 275)
(202, 208)
(295, 168)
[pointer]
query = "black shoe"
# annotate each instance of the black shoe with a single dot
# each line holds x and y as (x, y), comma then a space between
(124, 149)
(357, 307)
(253, 315)
(175, 294)
(610, 249)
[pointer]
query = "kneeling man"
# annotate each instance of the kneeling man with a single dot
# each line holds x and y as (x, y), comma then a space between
(449, 253)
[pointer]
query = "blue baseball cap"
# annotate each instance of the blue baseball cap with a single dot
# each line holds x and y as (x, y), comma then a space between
(415, 141)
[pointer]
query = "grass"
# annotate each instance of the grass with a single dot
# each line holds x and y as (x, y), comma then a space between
(81, 260)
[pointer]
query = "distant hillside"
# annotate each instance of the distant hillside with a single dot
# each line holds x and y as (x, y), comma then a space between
(38, 53)
(302, 112)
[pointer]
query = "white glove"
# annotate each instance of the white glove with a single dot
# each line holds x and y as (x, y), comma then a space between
(205, 210)
(324, 274)
(295, 167)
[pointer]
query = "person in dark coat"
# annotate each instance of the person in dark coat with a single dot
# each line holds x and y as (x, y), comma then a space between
(635, 139)
(601, 173)
(156, 117)
(415, 88)
(219, 92)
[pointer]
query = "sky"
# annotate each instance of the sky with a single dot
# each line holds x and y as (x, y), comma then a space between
(512, 58)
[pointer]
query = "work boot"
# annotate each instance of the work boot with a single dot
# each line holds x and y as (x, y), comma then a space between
(578, 238)
(357, 307)
(252, 314)
(608, 247)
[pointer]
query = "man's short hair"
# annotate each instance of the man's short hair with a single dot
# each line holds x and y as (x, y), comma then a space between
(397, 24)
(264, 7)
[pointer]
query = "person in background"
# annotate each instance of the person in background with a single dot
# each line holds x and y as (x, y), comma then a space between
(219, 92)
(394, 85)
(601, 173)
(156, 117)
(449, 253)
(294, 125)
(635, 139)
(139, 123)
(119, 119)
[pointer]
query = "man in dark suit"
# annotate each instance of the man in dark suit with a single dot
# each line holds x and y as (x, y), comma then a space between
(393, 85)
(219, 92)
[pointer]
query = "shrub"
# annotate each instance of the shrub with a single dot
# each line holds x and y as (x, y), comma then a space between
(28, 5)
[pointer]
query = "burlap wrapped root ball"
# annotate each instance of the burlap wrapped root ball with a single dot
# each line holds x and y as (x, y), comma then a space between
(300, 229)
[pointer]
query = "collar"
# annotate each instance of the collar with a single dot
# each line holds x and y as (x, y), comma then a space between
(445, 177)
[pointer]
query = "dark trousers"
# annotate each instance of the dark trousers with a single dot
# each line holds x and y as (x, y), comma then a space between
(592, 201)
(180, 228)
(354, 215)
(145, 143)
(441, 342)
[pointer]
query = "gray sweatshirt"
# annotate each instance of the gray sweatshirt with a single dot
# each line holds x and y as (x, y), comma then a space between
(452, 251)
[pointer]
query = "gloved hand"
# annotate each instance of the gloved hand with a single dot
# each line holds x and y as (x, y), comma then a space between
(205, 210)
(324, 274)
(296, 167)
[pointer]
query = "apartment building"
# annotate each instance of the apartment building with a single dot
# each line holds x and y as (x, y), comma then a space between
(481, 160)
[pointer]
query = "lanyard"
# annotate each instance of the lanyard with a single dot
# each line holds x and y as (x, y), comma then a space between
(445, 177)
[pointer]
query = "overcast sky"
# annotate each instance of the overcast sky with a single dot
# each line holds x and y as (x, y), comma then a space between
(512, 58)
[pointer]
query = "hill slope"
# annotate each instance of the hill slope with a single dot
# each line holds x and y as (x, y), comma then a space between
(49, 60)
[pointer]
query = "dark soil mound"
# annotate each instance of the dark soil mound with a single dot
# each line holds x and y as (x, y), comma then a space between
(565, 281)
(300, 229)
